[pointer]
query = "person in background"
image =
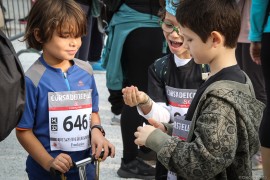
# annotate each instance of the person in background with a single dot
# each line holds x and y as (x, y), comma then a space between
(175, 73)
(92, 42)
(244, 60)
(259, 36)
(135, 40)
(60, 119)
(220, 130)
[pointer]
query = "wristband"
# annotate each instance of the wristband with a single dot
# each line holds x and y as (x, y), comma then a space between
(146, 102)
(100, 128)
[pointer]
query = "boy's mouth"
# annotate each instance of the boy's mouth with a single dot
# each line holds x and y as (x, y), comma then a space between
(176, 44)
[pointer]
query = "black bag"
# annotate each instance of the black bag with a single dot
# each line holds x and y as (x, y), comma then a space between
(112, 5)
(107, 9)
(12, 87)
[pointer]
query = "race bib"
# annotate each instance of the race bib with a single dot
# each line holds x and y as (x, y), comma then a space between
(69, 120)
(179, 100)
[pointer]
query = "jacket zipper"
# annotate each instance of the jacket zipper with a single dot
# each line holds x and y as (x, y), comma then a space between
(66, 80)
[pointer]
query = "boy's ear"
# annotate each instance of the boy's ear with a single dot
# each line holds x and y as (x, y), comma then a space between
(37, 34)
(217, 38)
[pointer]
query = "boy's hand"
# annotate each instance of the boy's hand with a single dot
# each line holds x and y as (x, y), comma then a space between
(142, 134)
(99, 143)
(132, 96)
(157, 124)
(62, 163)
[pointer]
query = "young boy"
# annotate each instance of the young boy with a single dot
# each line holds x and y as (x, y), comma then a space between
(62, 99)
(172, 81)
(224, 114)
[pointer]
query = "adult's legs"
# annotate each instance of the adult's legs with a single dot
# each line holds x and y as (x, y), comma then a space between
(255, 74)
(83, 52)
(117, 103)
(265, 124)
(253, 70)
(141, 48)
(116, 100)
(96, 44)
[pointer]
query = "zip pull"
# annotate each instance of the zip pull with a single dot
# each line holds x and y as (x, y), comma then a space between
(66, 80)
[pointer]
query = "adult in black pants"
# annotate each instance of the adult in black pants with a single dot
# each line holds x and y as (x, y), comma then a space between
(92, 42)
(259, 50)
(265, 124)
(142, 45)
(253, 70)
(244, 60)
(138, 54)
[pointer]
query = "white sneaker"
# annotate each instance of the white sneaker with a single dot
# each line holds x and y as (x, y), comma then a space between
(116, 119)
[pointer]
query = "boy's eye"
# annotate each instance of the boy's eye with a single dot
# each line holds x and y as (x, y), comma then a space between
(169, 25)
(65, 35)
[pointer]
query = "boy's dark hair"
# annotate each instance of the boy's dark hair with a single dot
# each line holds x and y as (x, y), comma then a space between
(50, 15)
(205, 16)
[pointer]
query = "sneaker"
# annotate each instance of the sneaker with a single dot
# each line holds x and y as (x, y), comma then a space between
(149, 157)
(116, 119)
(136, 169)
(257, 161)
(97, 66)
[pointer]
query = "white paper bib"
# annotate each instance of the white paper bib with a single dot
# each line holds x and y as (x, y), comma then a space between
(179, 100)
(69, 120)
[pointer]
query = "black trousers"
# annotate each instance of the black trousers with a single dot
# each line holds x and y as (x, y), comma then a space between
(141, 48)
(116, 100)
(265, 60)
(253, 70)
(92, 42)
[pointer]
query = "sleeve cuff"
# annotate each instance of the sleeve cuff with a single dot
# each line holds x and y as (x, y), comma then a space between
(156, 140)
(255, 37)
(169, 128)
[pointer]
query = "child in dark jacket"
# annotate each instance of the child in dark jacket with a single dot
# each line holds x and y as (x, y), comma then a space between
(223, 118)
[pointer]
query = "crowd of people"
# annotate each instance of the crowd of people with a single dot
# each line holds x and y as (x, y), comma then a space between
(187, 83)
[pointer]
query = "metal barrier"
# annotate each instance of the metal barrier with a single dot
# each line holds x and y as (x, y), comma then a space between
(15, 14)
(15, 10)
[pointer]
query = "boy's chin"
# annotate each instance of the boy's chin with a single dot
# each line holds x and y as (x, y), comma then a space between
(176, 50)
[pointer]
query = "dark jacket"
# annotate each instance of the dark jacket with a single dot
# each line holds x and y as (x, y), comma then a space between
(222, 138)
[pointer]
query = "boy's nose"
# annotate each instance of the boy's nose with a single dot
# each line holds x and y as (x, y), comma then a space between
(72, 43)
